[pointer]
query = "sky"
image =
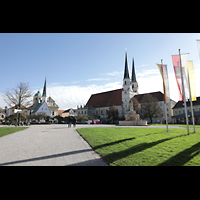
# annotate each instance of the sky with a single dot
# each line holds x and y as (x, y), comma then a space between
(77, 65)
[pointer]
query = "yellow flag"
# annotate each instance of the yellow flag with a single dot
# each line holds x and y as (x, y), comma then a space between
(192, 80)
(164, 74)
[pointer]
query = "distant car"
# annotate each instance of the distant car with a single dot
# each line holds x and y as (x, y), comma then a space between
(84, 122)
(96, 121)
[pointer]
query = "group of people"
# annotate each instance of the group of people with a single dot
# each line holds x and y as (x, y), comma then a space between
(71, 120)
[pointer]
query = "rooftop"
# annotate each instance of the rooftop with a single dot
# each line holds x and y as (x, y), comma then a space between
(158, 95)
(105, 99)
(180, 104)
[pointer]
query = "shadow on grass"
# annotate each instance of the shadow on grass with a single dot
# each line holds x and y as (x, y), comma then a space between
(135, 149)
(112, 143)
(182, 157)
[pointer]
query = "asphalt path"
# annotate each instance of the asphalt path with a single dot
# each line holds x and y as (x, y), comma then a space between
(47, 145)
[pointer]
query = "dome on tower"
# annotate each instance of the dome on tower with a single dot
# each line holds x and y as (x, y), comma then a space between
(38, 94)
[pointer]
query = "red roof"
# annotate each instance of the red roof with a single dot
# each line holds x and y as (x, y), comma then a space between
(105, 99)
(158, 95)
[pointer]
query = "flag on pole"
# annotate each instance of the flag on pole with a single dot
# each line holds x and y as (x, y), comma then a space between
(164, 74)
(198, 45)
(177, 71)
(192, 80)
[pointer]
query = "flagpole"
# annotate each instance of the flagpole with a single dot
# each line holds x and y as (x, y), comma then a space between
(191, 104)
(186, 116)
(164, 99)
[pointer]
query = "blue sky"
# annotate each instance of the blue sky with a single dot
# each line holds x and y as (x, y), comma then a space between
(79, 64)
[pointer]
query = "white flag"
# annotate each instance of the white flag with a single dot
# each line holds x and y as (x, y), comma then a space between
(184, 62)
(198, 45)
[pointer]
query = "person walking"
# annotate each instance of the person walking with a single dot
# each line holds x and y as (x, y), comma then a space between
(74, 121)
(69, 122)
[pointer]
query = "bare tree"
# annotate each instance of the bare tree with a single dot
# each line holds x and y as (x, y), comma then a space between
(149, 107)
(113, 114)
(19, 96)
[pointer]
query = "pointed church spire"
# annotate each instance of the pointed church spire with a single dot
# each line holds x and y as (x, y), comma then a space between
(126, 71)
(133, 73)
(44, 89)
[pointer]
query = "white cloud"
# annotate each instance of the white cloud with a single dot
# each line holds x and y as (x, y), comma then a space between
(115, 73)
(154, 83)
(149, 72)
(98, 79)
(71, 96)
(2, 102)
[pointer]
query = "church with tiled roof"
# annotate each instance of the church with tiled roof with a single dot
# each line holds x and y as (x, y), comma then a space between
(98, 104)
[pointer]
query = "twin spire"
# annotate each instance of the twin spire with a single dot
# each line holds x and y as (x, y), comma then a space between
(44, 94)
(126, 70)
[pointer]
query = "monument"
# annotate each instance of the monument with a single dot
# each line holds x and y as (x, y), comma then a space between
(132, 119)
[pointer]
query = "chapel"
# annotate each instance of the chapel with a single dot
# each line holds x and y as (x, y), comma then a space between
(42, 104)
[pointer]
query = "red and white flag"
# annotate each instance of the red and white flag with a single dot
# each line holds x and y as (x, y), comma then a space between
(177, 72)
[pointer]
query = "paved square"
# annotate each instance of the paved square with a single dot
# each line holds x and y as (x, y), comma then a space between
(47, 145)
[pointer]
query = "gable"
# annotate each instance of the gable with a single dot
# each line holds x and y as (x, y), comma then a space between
(43, 108)
(105, 99)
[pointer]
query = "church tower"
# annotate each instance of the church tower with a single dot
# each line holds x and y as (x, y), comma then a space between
(44, 95)
(133, 80)
(127, 92)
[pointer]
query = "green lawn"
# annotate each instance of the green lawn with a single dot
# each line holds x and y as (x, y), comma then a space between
(179, 125)
(9, 130)
(144, 146)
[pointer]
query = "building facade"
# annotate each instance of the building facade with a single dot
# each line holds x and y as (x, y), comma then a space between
(159, 96)
(53, 107)
(179, 112)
